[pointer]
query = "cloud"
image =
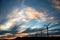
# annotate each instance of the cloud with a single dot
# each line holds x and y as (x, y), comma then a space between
(50, 31)
(22, 26)
(16, 15)
(52, 20)
(38, 27)
(24, 15)
(13, 18)
(56, 3)
(34, 14)
(58, 7)
(8, 24)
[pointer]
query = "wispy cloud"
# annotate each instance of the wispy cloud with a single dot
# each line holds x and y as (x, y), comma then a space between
(13, 18)
(24, 15)
(56, 3)
(34, 14)
(16, 15)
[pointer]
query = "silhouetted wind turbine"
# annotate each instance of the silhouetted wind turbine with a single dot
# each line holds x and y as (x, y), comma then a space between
(47, 26)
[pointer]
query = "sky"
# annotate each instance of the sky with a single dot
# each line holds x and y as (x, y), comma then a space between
(25, 14)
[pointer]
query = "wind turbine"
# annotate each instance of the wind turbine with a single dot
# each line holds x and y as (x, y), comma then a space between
(47, 27)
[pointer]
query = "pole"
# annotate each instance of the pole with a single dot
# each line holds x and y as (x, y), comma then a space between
(41, 33)
(47, 28)
(47, 31)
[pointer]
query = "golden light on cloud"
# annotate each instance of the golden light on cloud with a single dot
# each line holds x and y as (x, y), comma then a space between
(22, 26)
(17, 15)
(56, 3)
(34, 14)
(24, 20)
(13, 18)
(58, 7)
(8, 24)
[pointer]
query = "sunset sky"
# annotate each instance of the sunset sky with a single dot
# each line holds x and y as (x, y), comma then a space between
(29, 14)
